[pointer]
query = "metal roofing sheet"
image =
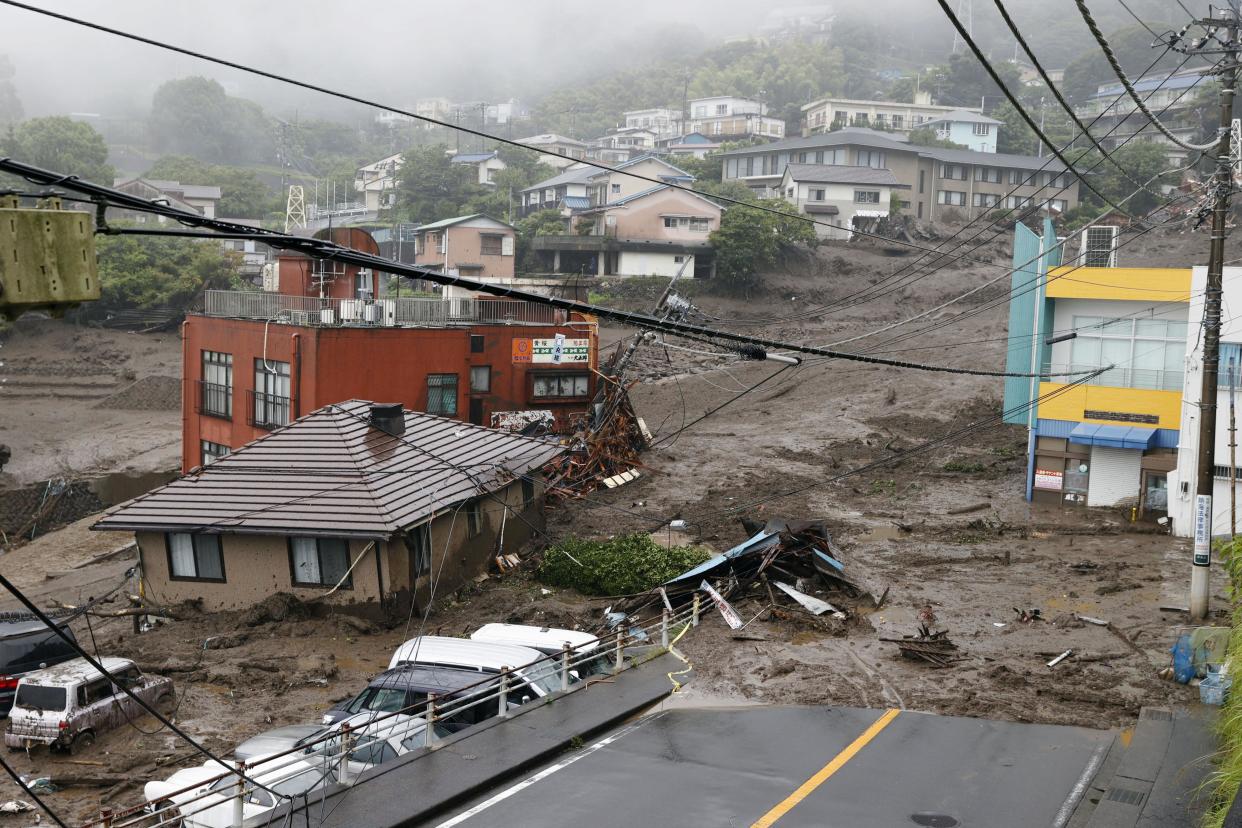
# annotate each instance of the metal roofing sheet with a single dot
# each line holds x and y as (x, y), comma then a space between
(332, 473)
(840, 174)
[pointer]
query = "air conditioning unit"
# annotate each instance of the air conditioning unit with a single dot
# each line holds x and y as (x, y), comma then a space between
(299, 317)
(370, 313)
(1099, 247)
(351, 310)
(327, 316)
(387, 312)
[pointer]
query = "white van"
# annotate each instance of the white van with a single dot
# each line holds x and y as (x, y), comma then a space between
(487, 658)
(551, 641)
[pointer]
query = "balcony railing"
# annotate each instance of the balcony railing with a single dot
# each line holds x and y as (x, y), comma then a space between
(387, 312)
(1153, 379)
(214, 400)
(267, 410)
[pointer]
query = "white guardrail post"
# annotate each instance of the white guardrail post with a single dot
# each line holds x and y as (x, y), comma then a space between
(694, 613)
(620, 654)
(502, 705)
(429, 730)
(664, 628)
(239, 796)
(565, 650)
(347, 747)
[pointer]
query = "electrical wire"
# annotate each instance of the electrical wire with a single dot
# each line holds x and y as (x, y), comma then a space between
(29, 789)
(1125, 82)
(1138, 19)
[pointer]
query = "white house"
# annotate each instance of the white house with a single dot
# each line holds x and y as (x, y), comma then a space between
(557, 151)
(728, 116)
(664, 122)
(854, 197)
(376, 183)
(694, 145)
(486, 163)
(828, 114)
(1181, 481)
(970, 129)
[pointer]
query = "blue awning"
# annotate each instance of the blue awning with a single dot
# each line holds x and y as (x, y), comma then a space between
(1095, 434)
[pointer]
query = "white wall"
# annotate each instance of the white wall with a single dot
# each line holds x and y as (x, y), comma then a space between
(651, 264)
(1181, 503)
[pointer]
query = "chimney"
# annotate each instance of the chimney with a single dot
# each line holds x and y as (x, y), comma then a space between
(388, 418)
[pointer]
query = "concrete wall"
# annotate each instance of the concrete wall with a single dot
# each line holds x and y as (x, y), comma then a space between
(637, 263)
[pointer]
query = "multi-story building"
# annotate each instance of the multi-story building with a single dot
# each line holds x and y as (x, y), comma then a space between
(828, 114)
(557, 150)
(937, 178)
(377, 182)
(694, 145)
(1112, 440)
(1170, 95)
(255, 361)
(855, 198)
(970, 129)
(476, 246)
(1229, 379)
(486, 165)
(725, 117)
(664, 122)
(507, 112)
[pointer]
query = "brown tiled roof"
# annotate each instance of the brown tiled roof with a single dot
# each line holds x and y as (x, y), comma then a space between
(331, 473)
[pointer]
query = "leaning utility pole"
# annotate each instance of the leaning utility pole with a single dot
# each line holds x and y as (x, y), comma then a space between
(1222, 190)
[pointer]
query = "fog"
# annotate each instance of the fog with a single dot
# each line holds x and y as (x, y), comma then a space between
(395, 52)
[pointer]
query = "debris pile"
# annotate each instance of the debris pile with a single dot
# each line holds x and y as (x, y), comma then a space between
(932, 647)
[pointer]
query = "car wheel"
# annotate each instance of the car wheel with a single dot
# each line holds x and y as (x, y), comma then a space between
(83, 740)
(166, 704)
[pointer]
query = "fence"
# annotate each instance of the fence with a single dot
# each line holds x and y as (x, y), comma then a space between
(1156, 379)
(316, 766)
(394, 311)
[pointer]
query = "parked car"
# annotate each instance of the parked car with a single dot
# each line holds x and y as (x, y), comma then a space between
(552, 641)
(405, 688)
(276, 740)
(26, 646)
(68, 705)
(441, 651)
(200, 797)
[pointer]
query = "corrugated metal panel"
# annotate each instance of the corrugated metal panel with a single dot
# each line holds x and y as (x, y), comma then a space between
(1115, 474)
(331, 473)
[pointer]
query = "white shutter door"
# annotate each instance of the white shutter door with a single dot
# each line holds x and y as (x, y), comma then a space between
(1115, 475)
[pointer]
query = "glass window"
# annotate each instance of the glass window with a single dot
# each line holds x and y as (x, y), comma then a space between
(491, 244)
(418, 541)
(476, 343)
(320, 562)
(271, 393)
(561, 385)
(213, 451)
(442, 394)
(216, 391)
(867, 196)
(474, 518)
(194, 557)
(1146, 353)
(481, 379)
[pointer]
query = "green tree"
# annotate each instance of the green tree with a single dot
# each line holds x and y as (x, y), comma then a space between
(10, 104)
(63, 145)
(751, 242)
(151, 272)
(430, 188)
(1141, 160)
(242, 193)
(1132, 45)
(193, 116)
(927, 137)
(539, 223)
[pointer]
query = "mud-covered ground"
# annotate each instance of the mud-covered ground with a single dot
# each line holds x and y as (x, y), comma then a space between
(780, 449)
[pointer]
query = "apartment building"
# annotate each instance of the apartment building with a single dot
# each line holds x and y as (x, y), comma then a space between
(828, 114)
(726, 117)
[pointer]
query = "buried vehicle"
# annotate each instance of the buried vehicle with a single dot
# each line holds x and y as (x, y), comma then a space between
(68, 705)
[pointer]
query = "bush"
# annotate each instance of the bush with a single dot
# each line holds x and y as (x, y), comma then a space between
(1223, 785)
(622, 566)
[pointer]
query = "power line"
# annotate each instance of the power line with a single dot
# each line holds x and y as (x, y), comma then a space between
(1140, 21)
(1129, 87)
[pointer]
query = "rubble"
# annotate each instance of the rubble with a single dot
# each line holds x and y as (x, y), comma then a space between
(932, 647)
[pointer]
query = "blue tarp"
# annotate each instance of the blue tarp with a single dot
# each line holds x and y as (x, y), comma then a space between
(1095, 434)
(762, 540)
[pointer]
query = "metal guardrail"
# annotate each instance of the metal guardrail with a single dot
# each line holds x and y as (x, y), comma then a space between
(385, 312)
(214, 400)
(1153, 379)
(332, 764)
(267, 410)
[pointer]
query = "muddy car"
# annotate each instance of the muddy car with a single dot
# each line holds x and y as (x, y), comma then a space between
(68, 705)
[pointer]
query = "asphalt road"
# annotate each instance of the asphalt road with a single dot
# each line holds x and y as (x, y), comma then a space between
(804, 766)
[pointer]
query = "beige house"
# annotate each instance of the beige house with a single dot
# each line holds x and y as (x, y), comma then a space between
(476, 246)
(201, 198)
(557, 151)
(355, 505)
(853, 197)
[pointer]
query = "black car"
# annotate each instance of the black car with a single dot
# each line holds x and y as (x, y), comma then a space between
(405, 689)
(26, 646)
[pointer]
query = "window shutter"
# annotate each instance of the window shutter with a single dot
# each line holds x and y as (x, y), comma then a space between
(506, 246)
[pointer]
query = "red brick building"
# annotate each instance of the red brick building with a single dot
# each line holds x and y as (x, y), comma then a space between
(254, 361)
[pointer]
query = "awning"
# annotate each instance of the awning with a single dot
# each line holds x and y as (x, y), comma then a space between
(1094, 434)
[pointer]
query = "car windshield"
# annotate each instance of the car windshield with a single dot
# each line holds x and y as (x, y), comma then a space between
(597, 666)
(307, 780)
(543, 675)
(382, 699)
(34, 697)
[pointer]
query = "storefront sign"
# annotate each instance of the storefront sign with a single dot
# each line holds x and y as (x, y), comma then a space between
(556, 351)
(1203, 530)
(1048, 479)
(1121, 417)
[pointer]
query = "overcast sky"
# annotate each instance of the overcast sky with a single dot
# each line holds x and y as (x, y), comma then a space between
(395, 51)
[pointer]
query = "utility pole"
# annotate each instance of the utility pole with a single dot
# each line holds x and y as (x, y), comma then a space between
(1201, 561)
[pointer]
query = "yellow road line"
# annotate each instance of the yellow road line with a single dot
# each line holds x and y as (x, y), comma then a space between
(806, 788)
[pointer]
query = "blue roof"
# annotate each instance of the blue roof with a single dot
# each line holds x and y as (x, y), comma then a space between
(472, 157)
(1151, 84)
(1095, 434)
(576, 202)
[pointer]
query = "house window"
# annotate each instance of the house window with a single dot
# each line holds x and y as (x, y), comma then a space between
(867, 196)
(990, 175)
(528, 493)
(418, 542)
(561, 385)
(922, 176)
(870, 158)
(983, 129)
(320, 562)
(676, 221)
(717, 128)
(819, 157)
(194, 557)
(442, 394)
(818, 195)
(1057, 204)
(699, 224)
(955, 172)
(952, 198)
(480, 379)
(271, 394)
(1017, 202)
(216, 387)
(490, 244)
(474, 518)
(986, 199)
(1147, 353)
(615, 189)
(437, 241)
(1019, 177)
(898, 121)
(722, 109)
(750, 165)
(700, 111)
(476, 343)
(212, 452)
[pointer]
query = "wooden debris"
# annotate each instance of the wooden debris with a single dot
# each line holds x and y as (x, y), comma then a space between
(932, 647)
